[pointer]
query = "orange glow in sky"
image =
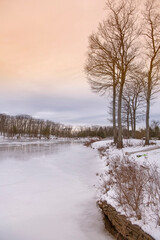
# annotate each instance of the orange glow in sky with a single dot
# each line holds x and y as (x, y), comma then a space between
(43, 45)
(43, 39)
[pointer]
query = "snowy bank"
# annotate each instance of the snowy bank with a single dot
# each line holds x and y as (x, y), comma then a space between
(130, 182)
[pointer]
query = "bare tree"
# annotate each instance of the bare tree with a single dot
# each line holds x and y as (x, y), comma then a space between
(111, 53)
(101, 67)
(133, 101)
(151, 18)
(126, 111)
(123, 24)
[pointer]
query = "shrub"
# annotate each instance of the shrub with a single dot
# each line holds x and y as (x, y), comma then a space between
(136, 187)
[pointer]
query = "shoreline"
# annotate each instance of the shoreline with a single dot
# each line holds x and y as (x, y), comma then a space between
(121, 225)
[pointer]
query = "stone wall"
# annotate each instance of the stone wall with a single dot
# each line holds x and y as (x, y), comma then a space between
(119, 226)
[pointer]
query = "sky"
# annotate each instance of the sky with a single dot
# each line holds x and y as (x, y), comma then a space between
(43, 45)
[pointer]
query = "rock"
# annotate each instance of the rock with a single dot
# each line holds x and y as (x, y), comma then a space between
(119, 226)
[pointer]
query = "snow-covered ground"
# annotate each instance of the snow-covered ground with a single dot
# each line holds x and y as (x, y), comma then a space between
(143, 156)
(47, 192)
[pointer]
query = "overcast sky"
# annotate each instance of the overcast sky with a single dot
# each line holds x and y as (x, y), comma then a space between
(43, 46)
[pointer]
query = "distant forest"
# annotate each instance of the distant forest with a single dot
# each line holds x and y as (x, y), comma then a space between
(27, 126)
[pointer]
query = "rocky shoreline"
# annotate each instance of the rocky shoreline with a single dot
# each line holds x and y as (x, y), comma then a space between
(119, 226)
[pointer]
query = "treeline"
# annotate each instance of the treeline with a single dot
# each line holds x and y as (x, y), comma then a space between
(27, 126)
(155, 129)
(93, 131)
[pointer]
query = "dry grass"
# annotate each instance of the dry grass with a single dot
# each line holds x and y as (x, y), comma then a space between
(102, 150)
(136, 187)
(90, 141)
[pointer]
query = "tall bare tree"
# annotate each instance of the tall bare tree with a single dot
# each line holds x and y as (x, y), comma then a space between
(112, 51)
(151, 18)
(101, 67)
(124, 24)
(133, 100)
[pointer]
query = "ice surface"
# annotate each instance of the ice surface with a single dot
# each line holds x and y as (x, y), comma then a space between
(47, 193)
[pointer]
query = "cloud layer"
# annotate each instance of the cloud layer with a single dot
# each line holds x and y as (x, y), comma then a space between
(43, 48)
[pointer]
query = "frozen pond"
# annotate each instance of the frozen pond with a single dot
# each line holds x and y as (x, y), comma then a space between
(47, 193)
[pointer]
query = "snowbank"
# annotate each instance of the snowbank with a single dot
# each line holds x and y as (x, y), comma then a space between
(147, 157)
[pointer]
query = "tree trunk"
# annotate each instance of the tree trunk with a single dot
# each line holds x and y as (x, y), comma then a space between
(120, 142)
(132, 120)
(128, 124)
(148, 105)
(147, 121)
(134, 124)
(114, 115)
